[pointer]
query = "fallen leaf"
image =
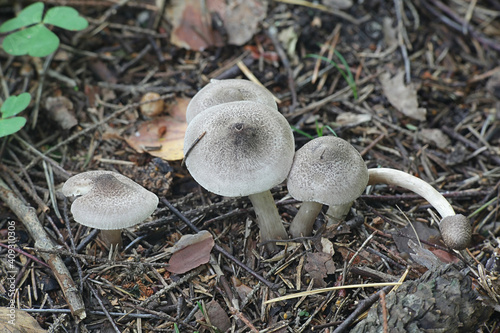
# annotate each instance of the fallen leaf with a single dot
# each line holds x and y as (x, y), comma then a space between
(198, 25)
(422, 230)
(60, 109)
(190, 252)
(161, 137)
(18, 321)
(242, 289)
(217, 315)
(402, 97)
(435, 136)
(319, 265)
(352, 119)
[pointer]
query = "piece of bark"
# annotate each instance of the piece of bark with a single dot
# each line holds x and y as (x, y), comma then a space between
(442, 300)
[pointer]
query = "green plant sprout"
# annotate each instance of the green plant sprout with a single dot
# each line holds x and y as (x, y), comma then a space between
(319, 131)
(347, 76)
(12, 106)
(34, 38)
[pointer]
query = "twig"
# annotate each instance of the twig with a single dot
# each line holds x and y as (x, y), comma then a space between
(38, 96)
(469, 143)
(106, 313)
(272, 32)
(28, 216)
(362, 307)
(218, 248)
(401, 34)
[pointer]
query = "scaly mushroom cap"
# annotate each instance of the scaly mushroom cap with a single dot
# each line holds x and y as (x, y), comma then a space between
(225, 91)
(247, 148)
(108, 200)
(327, 170)
(456, 231)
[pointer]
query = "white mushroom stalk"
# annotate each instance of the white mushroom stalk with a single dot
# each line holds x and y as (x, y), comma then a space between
(455, 228)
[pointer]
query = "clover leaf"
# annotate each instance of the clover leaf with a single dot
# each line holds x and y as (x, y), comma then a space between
(34, 38)
(11, 107)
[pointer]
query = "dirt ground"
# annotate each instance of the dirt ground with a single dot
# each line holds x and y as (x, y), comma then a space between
(413, 85)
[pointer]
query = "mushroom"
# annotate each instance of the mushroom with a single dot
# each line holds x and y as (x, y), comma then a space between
(325, 171)
(108, 201)
(224, 91)
(455, 229)
(242, 148)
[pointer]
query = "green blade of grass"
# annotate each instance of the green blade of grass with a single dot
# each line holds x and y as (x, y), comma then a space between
(348, 77)
(307, 135)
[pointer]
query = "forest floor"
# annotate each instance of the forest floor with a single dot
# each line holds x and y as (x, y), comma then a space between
(412, 85)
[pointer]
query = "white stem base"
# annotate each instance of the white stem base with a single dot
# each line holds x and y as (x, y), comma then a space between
(112, 237)
(335, 214)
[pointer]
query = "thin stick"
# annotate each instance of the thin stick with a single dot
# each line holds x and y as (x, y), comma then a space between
(362, 307)
(28, 216)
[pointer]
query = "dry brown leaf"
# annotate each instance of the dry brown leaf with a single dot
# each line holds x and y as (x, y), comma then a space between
(60, 109)
(217, 315)
(352, 119)
(18, 321)
(402, 97)
(242, 289)
(318, 265)
(193, 22)
(436, 136)
(190, 252)
(162, 137)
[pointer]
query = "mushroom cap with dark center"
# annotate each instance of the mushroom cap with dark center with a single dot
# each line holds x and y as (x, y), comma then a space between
(108, 200)
(247, 148)
(225, 91)
(327, 170)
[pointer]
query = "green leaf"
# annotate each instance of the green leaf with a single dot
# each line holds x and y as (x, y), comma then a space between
(28, 16)
(37, 41)
(307, 135)
(15, 104)
(11, 125)
(65, 17)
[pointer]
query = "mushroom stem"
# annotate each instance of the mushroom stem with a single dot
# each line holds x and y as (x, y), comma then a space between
(112, 238)
(414, 184)
(303, 222)
(334, 214)
(455, 229)
(268, 218)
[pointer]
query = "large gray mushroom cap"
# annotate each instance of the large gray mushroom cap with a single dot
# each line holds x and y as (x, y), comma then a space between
(327, 170)
(225, 91)
(108, 200)
(247, 148)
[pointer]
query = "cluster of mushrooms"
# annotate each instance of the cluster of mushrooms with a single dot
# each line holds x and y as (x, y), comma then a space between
(237, 143)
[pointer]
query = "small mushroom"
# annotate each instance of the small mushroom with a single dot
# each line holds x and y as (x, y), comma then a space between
(225, 91)
(242, 149)
(325, 171)
(455, 229)
(108, 201)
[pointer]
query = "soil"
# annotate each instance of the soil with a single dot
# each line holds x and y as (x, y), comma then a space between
(412, 85)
